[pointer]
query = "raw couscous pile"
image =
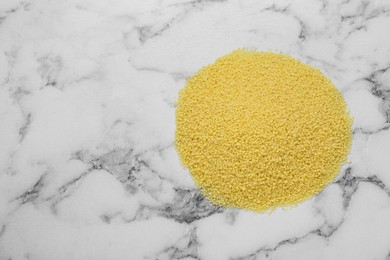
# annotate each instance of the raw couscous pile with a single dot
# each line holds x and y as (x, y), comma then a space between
(259, 130)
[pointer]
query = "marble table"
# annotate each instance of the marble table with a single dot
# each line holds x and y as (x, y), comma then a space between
(88, 169)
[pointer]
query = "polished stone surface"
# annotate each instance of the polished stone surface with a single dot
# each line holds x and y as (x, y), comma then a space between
(88, 169)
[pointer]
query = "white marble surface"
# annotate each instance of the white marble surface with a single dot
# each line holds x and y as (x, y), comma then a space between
(87, 101)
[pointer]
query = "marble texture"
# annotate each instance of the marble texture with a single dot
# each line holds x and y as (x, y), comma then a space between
(88, 169)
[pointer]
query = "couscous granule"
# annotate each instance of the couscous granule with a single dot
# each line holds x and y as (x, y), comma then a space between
(259, 130)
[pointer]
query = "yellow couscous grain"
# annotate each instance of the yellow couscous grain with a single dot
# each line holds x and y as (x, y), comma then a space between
(259, 130)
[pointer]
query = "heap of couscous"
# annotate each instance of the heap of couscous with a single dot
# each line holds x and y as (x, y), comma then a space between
(259, 130)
